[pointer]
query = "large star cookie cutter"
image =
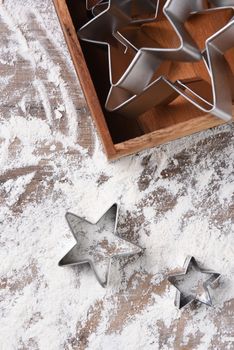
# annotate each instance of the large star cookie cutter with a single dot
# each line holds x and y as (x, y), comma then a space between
(103, 29)
(134, 93)
(96, 245)
(193, 283)
(149, 57)
(163, 91)
(124, 101)
(220, 73)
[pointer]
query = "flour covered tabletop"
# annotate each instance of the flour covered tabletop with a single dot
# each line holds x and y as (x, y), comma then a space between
(175, 200)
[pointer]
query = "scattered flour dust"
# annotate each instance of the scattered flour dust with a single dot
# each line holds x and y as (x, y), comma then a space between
(175, 200)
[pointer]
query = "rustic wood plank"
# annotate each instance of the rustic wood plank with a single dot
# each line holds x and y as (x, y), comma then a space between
(43, 178)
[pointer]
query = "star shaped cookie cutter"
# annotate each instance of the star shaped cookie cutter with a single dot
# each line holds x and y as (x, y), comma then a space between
(134, 94)
(159, 92)
(137, 77)
(122, 100)
(199, 290)
(103, 29)
(95, 246)
(222, 80)
(125, 101)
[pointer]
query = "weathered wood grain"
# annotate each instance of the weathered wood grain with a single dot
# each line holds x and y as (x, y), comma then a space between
(158, 179)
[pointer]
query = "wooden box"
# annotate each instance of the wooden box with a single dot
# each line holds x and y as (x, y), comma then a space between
(119, 135)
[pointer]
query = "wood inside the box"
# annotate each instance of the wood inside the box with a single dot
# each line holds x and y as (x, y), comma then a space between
(122, 129)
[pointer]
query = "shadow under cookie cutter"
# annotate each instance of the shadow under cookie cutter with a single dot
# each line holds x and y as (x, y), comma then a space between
(201, 292)
(95, 246)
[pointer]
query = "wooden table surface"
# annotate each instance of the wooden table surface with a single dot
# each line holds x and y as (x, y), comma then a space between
(175, 200)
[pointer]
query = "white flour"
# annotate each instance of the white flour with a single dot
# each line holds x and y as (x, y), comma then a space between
(44, 306)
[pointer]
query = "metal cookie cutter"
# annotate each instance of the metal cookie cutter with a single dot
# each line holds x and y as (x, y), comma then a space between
(90, 4)
(220, 74)
(131, 105)
(133, 94)
(226, 4)
(193, 284)
(148, 58)
(222, 3)
(222, 79)
(136, 9)
(103, 29)
(159, 92)
(95, 245)
(100, 7)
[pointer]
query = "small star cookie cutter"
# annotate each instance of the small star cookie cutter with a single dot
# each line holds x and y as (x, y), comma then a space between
(96, 246)
(199, 291)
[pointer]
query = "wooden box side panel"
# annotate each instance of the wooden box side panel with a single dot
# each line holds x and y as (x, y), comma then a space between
(84, 75)
(168, 134)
